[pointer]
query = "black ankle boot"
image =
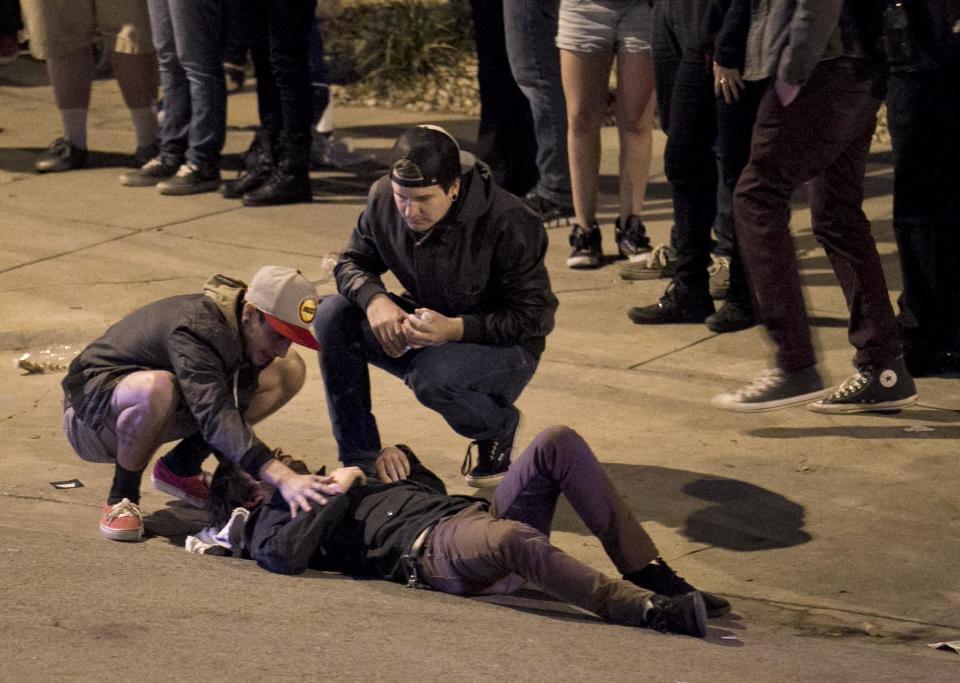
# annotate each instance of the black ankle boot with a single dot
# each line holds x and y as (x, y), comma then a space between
(290, 181)
(258, 166)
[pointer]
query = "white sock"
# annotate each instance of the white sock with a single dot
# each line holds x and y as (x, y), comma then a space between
(325, 124)
(75, 126)
(144, 125)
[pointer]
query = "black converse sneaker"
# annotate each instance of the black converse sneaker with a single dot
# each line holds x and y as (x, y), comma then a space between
(660, 578)
(880, 389)
(684, 614)
(772, 390)
(632, 241)
(493, 458)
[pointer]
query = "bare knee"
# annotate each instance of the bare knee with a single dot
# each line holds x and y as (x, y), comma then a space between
(291, 373)
(153, 392)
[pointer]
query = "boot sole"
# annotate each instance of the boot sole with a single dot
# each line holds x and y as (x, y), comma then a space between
(850, 408)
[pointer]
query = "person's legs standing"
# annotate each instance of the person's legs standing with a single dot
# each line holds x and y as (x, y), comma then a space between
(925, 131)
(175, 130)
(530, 29)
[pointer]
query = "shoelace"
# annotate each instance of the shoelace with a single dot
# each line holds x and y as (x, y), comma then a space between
(852, 385)
(718, 263)
(767, 380)
(123, 509)
(152, 164)
(578, 237)
(675, 582)
(187, 169)
(660, 257)
(468, 459)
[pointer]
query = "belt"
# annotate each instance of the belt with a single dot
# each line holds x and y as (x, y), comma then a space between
(411, 560)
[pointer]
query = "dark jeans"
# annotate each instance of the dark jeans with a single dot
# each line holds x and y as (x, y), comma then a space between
(734, 133)
(530, 31)
(691, 168)
(472, 386)
(823, 137)
(480, 551)
(189, 38)
(667, 37)
(925, 129)
(506, 139)
(279, 45)
(10, 21)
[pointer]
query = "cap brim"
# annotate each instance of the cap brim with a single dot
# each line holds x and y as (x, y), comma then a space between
(294, 333)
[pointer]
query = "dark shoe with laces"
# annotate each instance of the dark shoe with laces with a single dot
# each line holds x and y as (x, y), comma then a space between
(660, 578)
(493, 458)
(885, 388)
(282, 187)
(149, 174)
(60, 156)
(677, 305)
(587, 248)
(632, 241)
(551, 213)
(257, 168)
(733, 316)
(683, 614)
(145, 153)
(190, 179)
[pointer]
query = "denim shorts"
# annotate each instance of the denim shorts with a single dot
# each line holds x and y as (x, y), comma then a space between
(598, 26)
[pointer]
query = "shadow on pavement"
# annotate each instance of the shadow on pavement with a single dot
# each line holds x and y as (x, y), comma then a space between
(727, 513)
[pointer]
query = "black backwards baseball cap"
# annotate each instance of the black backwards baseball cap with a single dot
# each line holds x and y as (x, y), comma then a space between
(424, 156)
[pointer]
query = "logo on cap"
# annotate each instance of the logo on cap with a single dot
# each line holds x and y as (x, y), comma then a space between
(308, 310)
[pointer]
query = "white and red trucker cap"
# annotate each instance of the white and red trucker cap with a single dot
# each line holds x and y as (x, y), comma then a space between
(288, 300)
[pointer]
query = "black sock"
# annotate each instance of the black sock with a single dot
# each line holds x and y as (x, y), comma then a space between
(126, 484)
(186, 458)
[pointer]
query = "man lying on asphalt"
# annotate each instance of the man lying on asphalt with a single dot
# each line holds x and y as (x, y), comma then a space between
(411, 532)
(467, 333)
(200, 367)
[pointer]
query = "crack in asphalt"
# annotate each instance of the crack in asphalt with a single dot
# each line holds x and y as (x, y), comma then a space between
(133, 232)
(61, 285)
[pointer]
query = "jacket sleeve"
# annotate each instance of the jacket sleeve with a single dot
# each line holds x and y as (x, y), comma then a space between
(730, 47)
(811, 27)
(208, 392)
(520, 284)
(360, 266)
(283, 545)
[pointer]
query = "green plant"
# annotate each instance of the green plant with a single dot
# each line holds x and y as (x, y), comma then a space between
(400, 41)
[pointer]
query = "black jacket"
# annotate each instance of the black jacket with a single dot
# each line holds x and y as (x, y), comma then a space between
(482, 262)
(362, 533)
(197, 338)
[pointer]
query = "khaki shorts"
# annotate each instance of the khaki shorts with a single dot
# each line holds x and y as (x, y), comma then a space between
(61, 27)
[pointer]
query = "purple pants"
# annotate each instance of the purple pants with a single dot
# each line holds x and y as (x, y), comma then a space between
(823, 137)
(494, 551)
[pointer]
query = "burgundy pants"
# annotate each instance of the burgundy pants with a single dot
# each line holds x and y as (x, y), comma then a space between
(822, 137)
(494, 551)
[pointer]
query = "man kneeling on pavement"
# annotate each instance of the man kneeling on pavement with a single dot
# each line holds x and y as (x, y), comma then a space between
(410, 531)
(199, 367)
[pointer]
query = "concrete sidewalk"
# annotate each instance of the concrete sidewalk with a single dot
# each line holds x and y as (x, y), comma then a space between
(836, 537)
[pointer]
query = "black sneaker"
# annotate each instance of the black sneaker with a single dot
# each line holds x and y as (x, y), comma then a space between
(61, 155)
(145, 153)
(733, 316)
(772, 390)
(632, 241)
(587, 250)
(660, 578)
(493, 459)
(148, 175)
(684, 614)
(258, 165)
(677, 305)
(551, 213)
(190, 179)
(871, 389)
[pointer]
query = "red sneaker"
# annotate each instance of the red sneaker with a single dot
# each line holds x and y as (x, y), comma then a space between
(193, 490)
(122, 521)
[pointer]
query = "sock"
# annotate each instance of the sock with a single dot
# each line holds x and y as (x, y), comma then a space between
(75, 126)
(186, 458)
(144, 125)
(126, 484)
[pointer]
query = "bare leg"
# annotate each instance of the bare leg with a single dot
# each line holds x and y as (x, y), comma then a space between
(635, 107)
(585, 77)
(144, 404)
